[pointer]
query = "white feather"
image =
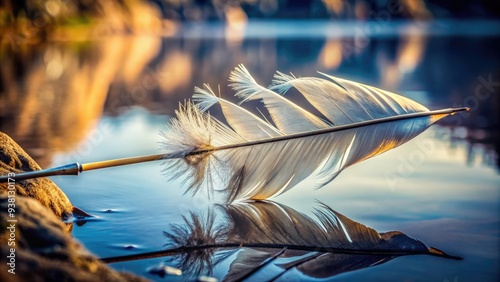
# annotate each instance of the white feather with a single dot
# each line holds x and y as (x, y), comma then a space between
(344, 102)
(262, 162)
(272, 168)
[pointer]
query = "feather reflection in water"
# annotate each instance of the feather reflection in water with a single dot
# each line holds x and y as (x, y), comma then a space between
(198, 230)
(255, 232)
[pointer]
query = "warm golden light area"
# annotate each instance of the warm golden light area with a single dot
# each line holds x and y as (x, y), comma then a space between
(417, 9)
(331, 54)
(409, 55)
(335, 7)
(236, 21)
(140, 51)
(78, 89)
(176, 70)
(411, 50)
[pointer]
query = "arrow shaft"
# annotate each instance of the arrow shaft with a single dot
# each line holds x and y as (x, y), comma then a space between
(75, 168)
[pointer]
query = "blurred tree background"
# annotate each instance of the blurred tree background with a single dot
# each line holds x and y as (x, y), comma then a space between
(39, 19)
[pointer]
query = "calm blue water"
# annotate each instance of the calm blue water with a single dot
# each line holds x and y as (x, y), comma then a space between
(444, 202)
(441, 188)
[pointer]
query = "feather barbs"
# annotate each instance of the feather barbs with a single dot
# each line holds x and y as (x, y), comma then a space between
(261, 159)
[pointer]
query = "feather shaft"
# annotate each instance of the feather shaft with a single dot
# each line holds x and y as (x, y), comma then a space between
(133, 160)
(439, 113)
(374, 252)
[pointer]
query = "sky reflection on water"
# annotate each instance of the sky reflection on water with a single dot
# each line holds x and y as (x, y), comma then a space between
(447, 196)
(444, 202)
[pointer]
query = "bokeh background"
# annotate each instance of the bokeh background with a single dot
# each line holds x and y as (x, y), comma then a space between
(90, 80)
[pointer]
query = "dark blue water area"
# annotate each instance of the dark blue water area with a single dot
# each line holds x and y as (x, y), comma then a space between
(441, 188)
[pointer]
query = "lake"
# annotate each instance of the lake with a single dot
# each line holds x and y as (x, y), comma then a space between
(110, 98)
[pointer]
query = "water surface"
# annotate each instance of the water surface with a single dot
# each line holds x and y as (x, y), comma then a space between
(111, 98)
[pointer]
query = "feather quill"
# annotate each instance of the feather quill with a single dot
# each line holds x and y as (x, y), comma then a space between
(253, 159)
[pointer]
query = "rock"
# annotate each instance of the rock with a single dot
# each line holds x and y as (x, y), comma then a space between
(13, 159)
(43, 250)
